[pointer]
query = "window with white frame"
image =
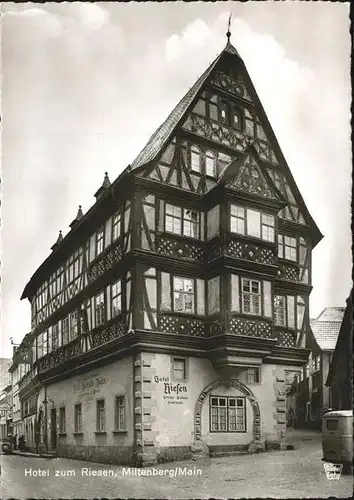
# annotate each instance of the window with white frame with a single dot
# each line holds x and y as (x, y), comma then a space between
(227, 414)
(179, 369)
(253, 375)
(252, 223)
(279, 310)
(101, 416)
(116, 225)
(119, 414)
(78, 418)
(183, 295)
(195, 159)
(62, 420)
(182, 221)
(116, 298)
(287, 247)
(99, 241)
(73, 326)
(251, 296)
(210, 164)
(100, 309)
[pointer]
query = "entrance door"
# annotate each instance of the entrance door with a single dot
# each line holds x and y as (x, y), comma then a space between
(53, 428)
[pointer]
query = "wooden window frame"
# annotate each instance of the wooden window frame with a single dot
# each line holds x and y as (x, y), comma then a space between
(183, 220)
(253, 379)
(175, 359)
(78, 426)
(100, 318)
(116, 296)
(62, 420)
(118, 427)
(117, 223)
(100, 424)
(227, 406)
(251, 294)
(262, 225)
(192, 293)
(195, 150)
(99, 239)
(212, 156)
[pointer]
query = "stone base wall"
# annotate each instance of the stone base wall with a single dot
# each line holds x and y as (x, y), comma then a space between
(174, 453)
(122, 455)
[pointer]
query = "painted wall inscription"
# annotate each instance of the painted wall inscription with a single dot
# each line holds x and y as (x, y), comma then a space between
(173, 393)
(89, 385)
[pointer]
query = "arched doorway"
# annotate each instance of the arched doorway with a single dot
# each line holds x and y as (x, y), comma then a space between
(232, 382)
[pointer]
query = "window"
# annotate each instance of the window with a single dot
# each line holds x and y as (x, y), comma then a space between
(332, 424)
(179, 369)
(45, 342)
(78, 419)
(73, 326)
(119, 416)
(227, 414)
(307, 370)
(267, 227)
(65, 330)
(99, 241)
(100, 309)
(317, 363)
(252, 223)
(62, 420)
(210, 164)
(55, 336)
(279, 310)
(195, 159)
(101, 416)
(237, 219)
(253, 375)
(236, 119)
(251, 296)
(116, 298)
(183, 295)
(224, 115)
(116, 225)
(287, 247)
(184, 221)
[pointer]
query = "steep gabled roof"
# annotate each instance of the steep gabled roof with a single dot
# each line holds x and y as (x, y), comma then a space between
(326, 327)
(158, 140)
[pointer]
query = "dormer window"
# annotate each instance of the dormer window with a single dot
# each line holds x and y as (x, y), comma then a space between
(210, 164)
(195, 159)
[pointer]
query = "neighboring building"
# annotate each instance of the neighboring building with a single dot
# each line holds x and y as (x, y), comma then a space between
(20, 367)
(166, 321)
(309, 396)
(5, 378)
(6, 411)
(340, 375)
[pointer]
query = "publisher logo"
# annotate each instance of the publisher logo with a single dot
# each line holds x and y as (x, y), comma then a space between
(333, 471)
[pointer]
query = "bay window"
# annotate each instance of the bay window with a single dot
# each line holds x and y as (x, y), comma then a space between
(116, 225)
(287, 247)
(252, 223)
(250, 296)
(183, 295)
(65, 330)
(73, 331)
(227, 414)
(182, 221)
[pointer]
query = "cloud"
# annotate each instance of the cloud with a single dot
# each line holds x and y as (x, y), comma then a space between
(195, 35)
(40, 18)
(93, 15)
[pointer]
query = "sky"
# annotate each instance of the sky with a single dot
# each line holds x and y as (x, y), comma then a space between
(84, 85)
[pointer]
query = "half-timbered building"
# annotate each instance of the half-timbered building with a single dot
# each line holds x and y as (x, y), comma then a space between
(166, 321)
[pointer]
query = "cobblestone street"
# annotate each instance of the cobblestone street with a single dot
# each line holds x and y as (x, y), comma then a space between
(279, 474)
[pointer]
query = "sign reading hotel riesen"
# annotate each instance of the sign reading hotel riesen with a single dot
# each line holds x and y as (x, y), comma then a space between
(173, 393)
(89, 385)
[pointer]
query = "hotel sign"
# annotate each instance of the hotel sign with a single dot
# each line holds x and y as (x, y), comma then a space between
(173, 393)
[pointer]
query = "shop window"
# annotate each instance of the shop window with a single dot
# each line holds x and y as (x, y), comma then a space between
(100, 416)
(251, 296)
(62, 420)
(179, 369)
(227, 414)
(116, 298)
(119, 415)
(78, 419)
(253, 375)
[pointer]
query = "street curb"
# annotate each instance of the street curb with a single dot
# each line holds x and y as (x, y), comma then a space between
(34, 455)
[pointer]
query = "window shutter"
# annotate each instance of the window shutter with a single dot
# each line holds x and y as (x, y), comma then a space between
(200, 297)
(235, 293)
(267, 299)
(165, 292)
(291, 311)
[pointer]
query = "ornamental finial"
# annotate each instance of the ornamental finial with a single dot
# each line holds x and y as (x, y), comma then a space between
(228, 34)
